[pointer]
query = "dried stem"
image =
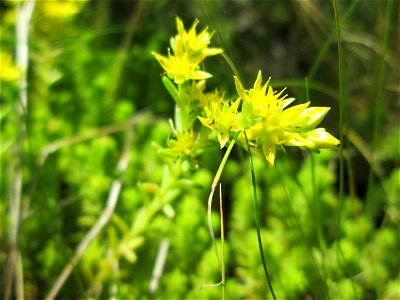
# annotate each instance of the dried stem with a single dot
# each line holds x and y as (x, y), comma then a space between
(101, 222)
(139, 118)
(24, 13)
(210, 197)
(106, 130)
(159, 265)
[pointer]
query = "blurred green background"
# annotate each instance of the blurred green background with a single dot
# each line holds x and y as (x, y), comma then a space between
(95, 101)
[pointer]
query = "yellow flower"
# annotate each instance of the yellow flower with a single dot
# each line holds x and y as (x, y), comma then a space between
(180, 69)
(184, 142)
(60, 9)
(189, 50)
(222, 118)
(195, 45)
(8, 71)
(269, 124)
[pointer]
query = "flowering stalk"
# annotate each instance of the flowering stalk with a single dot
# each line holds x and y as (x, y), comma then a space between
(258, 119)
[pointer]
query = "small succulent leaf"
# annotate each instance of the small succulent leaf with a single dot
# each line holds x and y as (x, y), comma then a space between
(171, 89)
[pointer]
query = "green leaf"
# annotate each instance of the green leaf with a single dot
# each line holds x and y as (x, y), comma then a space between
(172, 90)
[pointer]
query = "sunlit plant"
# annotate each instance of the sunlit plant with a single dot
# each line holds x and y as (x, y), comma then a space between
(104, 198)
(259, 118)
(263, 113)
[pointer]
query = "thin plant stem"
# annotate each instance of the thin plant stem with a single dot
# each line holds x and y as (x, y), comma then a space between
(316, 281)
(342, 128)
(19, 278)
(221, 210)
(159, 265)
(342, 106)
(123, 51)
(378, 107)
(325, 48)
(316, 199)
(257, 218)
(317, 204)
(231, 65)
(16, 166)
(209, 206)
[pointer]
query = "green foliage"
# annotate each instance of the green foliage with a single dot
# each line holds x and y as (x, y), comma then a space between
(97, 103)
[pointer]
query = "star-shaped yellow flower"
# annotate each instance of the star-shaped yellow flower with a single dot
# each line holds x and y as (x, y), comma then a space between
(180, 69)
(268, 123)
(189, 50)
(222, 118)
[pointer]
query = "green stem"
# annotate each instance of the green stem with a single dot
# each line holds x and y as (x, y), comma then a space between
(316, 200)
(325, 48)
(317, 206)
(342, 128)
(221, 210)
(257, 218)
(378, 107)
(213, 186)
(341, 114)
(317, 282)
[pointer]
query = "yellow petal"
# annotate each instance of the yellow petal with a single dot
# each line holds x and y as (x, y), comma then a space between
(212, 51)
(257, 83)
(192, 30)
(290, 114)
(234, 107)
(269, 151)
(286, 102)
(310, 118)
(199, 75)
(207, 122)
(180, 28)
(295, 139)
(223, 138)
(161, 59)
(254, 131)
(321, 139)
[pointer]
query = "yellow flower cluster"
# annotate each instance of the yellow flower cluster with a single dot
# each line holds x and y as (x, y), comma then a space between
(189, 50)
(262, 113)
(269, 123)
(222, 118)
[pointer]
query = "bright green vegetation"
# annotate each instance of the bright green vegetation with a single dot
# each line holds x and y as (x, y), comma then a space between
(106, 166)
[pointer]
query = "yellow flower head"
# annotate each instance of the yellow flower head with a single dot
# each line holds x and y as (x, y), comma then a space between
(184, 143)
(180, 69)
(8, 71)
(269, 123)
(189, 50)
(222, 118)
